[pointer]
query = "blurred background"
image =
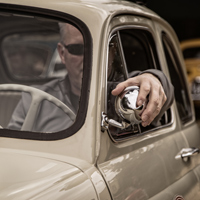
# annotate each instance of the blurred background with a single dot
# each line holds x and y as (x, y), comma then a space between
(183, 15)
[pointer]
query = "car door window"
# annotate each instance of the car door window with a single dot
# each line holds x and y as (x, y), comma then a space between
(180, 88)
(138, 52)
(42, 67)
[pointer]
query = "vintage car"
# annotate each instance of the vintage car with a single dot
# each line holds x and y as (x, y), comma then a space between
(48, 150)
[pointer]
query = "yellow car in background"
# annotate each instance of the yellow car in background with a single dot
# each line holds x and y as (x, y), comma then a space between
(191, 53)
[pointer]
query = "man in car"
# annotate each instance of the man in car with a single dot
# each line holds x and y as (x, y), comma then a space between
(152, 83)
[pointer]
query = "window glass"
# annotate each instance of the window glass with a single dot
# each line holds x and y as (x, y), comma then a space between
(182, 99)
(138, 53)
(29, 56)
(43, 60)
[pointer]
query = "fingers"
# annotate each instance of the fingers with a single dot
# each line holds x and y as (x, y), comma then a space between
(121, 86)
(145, 89)
(151, 89)
(157, 99)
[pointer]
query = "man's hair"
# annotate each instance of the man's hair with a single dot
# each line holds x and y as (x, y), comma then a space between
(63, 30)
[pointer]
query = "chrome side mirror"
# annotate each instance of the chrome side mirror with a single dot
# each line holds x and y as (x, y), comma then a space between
(126, 108)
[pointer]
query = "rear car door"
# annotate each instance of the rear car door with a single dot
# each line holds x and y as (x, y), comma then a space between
(141, 163)
(185, 115)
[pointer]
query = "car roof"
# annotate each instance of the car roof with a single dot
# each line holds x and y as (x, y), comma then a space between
(100, 7)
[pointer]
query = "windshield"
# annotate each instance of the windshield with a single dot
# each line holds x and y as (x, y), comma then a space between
(42, 67)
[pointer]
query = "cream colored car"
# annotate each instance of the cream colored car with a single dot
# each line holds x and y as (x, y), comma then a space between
(79, 149)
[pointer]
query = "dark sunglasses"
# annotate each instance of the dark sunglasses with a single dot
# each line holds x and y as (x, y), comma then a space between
(75, 49)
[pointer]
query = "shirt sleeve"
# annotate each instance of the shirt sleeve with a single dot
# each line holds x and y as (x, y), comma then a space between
(19, 113)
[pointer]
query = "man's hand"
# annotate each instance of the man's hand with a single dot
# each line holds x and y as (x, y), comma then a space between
(149, 85)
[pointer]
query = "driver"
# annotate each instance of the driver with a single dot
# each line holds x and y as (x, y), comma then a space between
(71, 48)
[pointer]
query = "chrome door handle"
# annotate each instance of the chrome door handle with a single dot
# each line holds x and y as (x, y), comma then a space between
(187, 152)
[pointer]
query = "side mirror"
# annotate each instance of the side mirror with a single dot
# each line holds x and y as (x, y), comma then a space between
(126, 108)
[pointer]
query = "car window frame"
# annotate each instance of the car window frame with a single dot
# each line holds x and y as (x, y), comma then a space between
(87, 63)
(143, 27)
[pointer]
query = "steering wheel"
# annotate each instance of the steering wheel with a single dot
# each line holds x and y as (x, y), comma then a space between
(37, 97)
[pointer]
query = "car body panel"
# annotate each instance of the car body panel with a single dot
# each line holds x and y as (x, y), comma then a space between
(39, 178)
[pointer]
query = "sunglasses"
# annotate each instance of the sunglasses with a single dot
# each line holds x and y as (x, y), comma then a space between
(75, 49)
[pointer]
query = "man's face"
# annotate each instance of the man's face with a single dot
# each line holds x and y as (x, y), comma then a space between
(71, 53)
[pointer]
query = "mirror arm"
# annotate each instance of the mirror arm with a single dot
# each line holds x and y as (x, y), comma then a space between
(126, 108)
(105, 122)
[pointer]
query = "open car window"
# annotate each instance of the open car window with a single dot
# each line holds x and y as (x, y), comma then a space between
(138, 54)
(41, 67)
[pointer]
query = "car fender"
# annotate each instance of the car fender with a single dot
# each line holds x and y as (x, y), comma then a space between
(31, 177)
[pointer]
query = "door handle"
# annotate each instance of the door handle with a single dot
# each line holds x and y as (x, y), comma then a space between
(185, 153)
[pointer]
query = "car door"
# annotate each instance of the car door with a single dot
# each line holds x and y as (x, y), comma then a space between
(185, 113)
(141, 163)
